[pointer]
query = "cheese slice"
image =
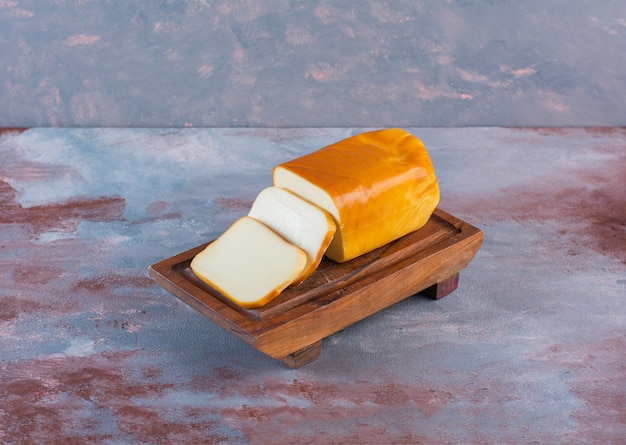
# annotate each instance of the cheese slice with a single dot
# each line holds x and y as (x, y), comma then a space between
(249, 263)
(379, 186)
(298, 221)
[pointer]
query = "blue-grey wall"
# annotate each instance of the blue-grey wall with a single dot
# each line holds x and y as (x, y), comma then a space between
(312, 63)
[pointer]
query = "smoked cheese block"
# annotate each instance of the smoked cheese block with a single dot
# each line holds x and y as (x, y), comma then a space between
(378, 186)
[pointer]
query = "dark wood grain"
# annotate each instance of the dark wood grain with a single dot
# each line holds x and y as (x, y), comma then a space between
(303, 356)
(443, 288)
(336, 295)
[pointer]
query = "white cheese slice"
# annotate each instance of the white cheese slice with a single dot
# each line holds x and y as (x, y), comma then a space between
(249, 263)
(298, 221)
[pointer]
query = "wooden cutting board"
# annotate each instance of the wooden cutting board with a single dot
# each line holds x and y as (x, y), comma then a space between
(291, 327)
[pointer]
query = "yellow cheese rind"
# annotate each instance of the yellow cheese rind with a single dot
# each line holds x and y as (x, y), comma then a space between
(379, 186)
(249, 263)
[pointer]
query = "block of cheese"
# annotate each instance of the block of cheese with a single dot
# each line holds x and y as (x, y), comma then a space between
(249, 263)
(379, 186)
(298, 221)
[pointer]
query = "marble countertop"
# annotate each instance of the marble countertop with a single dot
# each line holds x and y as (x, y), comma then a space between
(529, 349)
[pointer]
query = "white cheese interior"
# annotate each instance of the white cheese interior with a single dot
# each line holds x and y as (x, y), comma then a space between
(306, 190)
(249, 263)
(314, 194)
(298, 221)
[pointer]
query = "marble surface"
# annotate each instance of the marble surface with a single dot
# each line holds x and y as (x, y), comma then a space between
(290, 63)
(529, 349)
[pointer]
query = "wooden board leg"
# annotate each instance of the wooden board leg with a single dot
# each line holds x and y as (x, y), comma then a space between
(303, 356)
(443, 288)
